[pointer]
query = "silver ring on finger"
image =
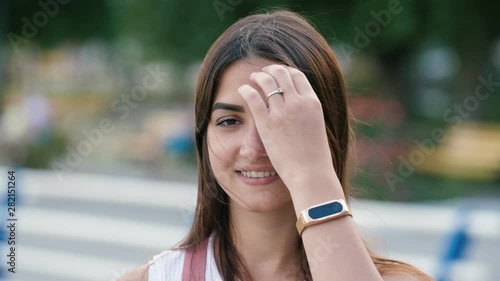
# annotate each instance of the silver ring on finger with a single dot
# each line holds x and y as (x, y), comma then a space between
(278, 91)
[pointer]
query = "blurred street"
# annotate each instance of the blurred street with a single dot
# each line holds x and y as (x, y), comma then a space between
(90, 227)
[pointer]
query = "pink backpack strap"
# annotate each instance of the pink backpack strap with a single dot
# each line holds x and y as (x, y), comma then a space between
(195, 263)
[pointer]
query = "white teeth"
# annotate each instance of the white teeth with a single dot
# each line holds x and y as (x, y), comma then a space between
(253, 174)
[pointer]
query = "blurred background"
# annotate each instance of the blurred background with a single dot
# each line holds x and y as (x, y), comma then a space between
(96, 120)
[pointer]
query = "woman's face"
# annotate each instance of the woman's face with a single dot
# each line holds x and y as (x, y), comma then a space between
(237, 155)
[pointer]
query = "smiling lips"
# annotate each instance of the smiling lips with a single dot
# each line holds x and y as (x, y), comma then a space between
(254, 174)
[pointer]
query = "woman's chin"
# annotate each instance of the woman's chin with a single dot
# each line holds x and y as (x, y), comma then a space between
(260, 204)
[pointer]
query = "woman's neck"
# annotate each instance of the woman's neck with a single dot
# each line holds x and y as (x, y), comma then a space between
(267, 243)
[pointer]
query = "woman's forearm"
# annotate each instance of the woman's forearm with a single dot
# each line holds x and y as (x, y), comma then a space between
(334, 249)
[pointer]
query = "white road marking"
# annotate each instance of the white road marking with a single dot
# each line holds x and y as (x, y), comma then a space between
(89, 228)
(66, 265)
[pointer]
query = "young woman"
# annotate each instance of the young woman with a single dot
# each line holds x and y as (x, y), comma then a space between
(272, 135)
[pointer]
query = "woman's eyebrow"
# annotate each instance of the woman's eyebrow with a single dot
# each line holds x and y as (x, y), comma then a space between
(227, 106)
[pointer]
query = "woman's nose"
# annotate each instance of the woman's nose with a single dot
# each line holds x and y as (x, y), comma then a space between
(252, 147)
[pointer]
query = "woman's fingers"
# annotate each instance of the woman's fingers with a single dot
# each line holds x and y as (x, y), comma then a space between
(282, 78)
(280, 110)
(300, 82)
(256, 104)
(268, 85)
(290, 79)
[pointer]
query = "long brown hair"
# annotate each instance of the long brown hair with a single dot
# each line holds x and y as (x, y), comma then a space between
(288, 38)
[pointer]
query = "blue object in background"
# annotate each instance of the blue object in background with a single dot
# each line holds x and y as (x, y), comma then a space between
(455, 245)
(180, 145)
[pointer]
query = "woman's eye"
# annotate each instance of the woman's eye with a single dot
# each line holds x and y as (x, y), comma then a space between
(227, 122)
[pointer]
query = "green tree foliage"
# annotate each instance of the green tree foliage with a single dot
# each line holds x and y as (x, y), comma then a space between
(184, 30)
(50, 22)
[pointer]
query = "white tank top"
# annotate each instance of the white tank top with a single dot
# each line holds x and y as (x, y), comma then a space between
(168, 265)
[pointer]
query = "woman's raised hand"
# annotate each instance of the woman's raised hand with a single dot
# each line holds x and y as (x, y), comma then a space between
(291, 125)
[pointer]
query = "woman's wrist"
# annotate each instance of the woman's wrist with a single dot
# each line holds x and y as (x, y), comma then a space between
(314, 188)
(307, 180)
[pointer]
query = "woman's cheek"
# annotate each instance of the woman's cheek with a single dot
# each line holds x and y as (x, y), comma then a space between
(226, 143)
